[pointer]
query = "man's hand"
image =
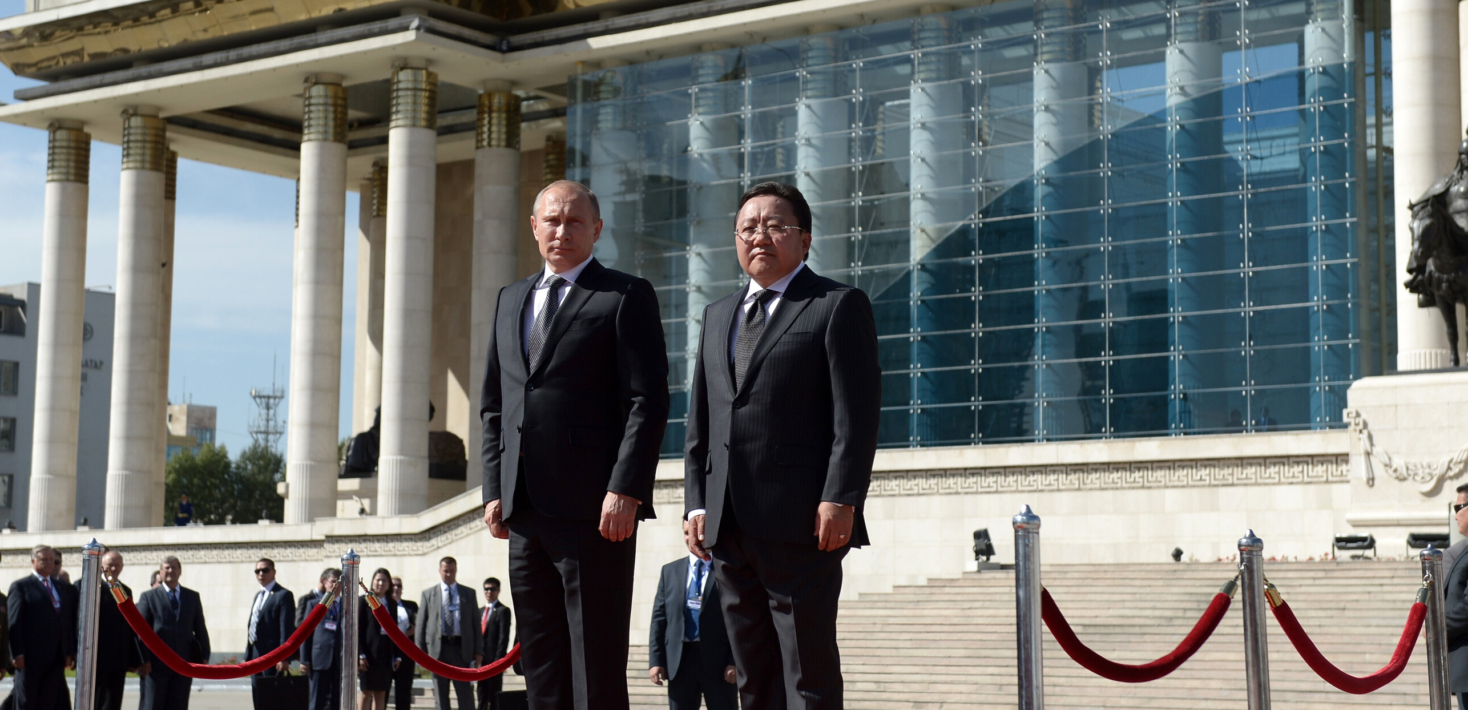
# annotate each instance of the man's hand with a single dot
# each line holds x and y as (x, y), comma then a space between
(71, 663)
(731, 675)
(493, 512)
(146, 669)
(833, 525)
(396, 663)
(657, 674)
(618, 516)
(362, 665)
(305, 668)
(694, 536)
(18, 662)
(478, 659)
(282, 667)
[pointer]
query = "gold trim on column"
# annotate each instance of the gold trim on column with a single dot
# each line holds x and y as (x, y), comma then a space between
(414, 98)
(553, 165)
(325, 113)
(170, 177)
(143, 146)
(69, 155)
(499, 120)
(379, 190)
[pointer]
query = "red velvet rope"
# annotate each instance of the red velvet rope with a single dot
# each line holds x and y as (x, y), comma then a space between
(203, 670)
(1121, 672)
(1339, 678)
(431, 664)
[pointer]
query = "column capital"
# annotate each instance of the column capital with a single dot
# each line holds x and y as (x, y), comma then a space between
(68, 153)
(379, 189)
(144, 139)
(325, 111)
(170, 176)
(414, 98)
(553, 164)
(498, 124)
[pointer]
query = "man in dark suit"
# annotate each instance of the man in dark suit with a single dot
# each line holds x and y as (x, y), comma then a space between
(574, 405)
(117, 645)
(272, 618)
(304, 604)
(494, 628)
(42, 616)
(448, 629)
(177, 616)
(402, 677)
(687, 645)
(782, 430)
(1455, 602)
(323, 651)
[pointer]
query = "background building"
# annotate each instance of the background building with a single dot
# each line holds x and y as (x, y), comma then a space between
(190, 426)
(19, 327)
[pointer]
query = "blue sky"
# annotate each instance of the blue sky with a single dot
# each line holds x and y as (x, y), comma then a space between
(232, 283)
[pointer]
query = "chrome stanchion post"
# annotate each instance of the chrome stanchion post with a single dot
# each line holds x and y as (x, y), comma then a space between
(1256, 646)
(1027, 610)
(1439, 692)
(347, 592)
(86, 628)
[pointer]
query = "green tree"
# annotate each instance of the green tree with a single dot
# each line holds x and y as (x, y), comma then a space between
(221, 491)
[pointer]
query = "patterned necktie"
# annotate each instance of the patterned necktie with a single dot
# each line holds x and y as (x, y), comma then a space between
(749, 332)
(255, 613)
(694, 608)
(173, 601)
(541, 330)
(51, 592)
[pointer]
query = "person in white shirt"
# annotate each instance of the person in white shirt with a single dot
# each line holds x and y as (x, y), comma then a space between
(448, 630)
(271, 620)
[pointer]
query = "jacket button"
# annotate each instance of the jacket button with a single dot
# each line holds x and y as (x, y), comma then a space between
(726, 446)
(739, 404)
(529, 388)
(517, 429)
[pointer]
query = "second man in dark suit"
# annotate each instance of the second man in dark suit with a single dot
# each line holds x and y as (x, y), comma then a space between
(117, 645)
(177, 616)
(272, 617)
(322, 652)
(782, 431)
(494, 628)
(574, 405)
(42, 618)
(687, 646)
(448, 629)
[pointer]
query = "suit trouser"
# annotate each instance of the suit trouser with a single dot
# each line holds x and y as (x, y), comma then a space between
(694, 680)
(780, 595)
(41, 687)
(402, 685)
(110, 684)
(325, 687)
(487, 690)
(165, 690)
(573, 602)
(453, 654)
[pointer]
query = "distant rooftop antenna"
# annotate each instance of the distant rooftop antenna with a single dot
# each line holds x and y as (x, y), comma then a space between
(267, 426)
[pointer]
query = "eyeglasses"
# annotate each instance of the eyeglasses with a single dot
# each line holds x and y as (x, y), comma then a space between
(491, 589)
(774, 231)
(263, 570)
(1459, 506)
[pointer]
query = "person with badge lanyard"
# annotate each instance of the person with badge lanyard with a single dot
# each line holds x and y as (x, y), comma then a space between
(319, 655)
(688, 645)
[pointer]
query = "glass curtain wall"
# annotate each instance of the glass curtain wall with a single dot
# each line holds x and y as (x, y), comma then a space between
(1074, 219)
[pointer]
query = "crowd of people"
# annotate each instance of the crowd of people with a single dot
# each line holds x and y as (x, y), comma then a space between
(39, 641)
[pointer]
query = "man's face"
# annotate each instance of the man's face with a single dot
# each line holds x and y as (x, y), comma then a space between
(329, 584)
(448, 572)
(168, 573)
(769, 256)
(565, 228)
(491, 593)
(397, 589)
(184, 498)
(44, 563)
(1461, 517)
(112, 566)
(264, 573)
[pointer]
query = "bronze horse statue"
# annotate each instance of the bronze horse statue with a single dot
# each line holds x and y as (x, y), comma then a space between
(1438, 266)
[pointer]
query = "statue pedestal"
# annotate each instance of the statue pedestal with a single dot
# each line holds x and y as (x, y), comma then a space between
(1415, 424)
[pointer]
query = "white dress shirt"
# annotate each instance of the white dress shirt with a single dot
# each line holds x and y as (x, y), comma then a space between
(749, 300)
(538, 296)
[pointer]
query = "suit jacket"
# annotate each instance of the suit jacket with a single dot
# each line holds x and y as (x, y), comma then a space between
(802, 428)
(1455, 608)
(324, 647)
(4, 634)
(429, 634)
(117, 645)
(412, 608)
(372, 641)
(277, 620)
(665, 640)
(590, 418)
(186, 634)
(496, 632)
(37, 630)
(303, 606)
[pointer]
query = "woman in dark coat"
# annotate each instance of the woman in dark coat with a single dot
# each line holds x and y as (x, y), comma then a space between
(379, 655)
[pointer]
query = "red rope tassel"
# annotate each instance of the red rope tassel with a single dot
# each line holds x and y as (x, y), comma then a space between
(1121, 672)
(203, 670)
(1339, 678)
(431, 664)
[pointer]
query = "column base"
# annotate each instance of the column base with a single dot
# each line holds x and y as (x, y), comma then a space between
(402, 487)
(312, 490)
(1424, 359)
(128, 504)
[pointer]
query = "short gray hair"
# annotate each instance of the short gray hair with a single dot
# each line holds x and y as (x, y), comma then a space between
(38, 549)
(171, 560)
(573, 186)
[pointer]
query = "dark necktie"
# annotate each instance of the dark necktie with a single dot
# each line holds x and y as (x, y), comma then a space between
(541, 330)
(749, 332)
(173, 601)
(51, 593)
(694, 608)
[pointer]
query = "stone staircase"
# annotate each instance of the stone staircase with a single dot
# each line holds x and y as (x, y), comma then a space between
(949, 644)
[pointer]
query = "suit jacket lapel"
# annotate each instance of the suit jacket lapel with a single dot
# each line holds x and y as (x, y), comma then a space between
(579, 294)
(792, 302)
(517, 319)
(721, 318)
